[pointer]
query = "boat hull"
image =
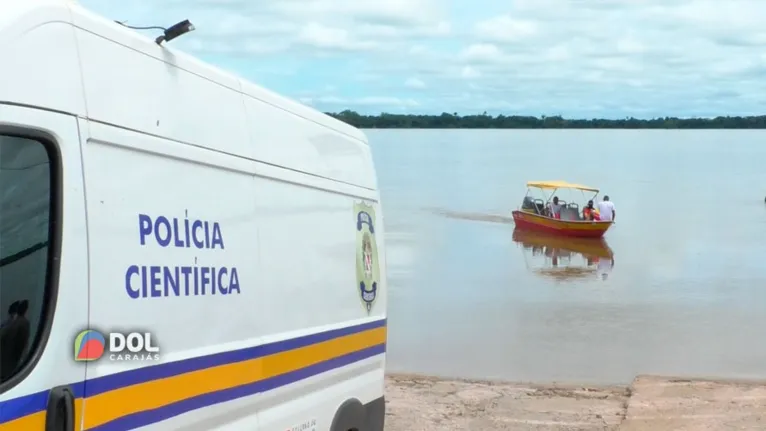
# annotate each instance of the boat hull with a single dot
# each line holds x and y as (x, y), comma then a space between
(567, 228)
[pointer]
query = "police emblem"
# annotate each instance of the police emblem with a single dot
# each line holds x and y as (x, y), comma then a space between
(367, 269)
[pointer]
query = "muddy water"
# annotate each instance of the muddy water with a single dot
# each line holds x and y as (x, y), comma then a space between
(677, 287)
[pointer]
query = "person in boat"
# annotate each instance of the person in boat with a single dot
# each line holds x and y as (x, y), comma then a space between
(555, 208)
(606, 209)
(589, 213)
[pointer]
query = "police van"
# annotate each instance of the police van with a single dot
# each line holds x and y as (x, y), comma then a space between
(179, 248)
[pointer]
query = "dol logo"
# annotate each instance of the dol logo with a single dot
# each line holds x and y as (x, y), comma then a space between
(367, 268)
(91, 345)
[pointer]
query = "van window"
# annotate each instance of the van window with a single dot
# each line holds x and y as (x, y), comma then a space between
(25, 220)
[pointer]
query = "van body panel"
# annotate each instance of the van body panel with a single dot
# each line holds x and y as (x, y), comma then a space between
(132, 181)
(41, 76)
(152, 141)
(301, 110)
(22, 406)
(309, 147)
(175, 90)
(166, 100)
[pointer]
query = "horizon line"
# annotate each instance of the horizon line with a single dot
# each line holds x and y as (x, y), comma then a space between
(543, 116)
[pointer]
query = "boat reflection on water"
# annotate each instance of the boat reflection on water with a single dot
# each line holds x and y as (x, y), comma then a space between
(565, 259)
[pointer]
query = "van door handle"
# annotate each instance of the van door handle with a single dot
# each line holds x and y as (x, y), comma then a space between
(60, 413)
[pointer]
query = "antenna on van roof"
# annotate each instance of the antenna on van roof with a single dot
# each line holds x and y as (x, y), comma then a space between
(168, 34)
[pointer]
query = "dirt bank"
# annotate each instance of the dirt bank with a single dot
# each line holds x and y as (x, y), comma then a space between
(672, 404)
(430, 404)
(648, 404)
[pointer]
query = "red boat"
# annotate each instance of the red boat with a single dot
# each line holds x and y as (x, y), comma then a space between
(534, 213)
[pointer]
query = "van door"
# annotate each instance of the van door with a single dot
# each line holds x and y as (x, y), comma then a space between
(43, 270)
(206, 374)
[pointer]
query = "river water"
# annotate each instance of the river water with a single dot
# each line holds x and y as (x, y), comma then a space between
(683, 294)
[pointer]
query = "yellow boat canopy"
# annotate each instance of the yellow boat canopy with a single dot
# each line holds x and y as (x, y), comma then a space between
(560, 185)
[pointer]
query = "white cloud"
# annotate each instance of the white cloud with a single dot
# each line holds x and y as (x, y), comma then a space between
(576, 57)
(469, 72)
(368, 77)
(629, 45)
(503, 28)
(482, 53)
(389, 12)
(328, 38)
(337, 103)
(414, 83)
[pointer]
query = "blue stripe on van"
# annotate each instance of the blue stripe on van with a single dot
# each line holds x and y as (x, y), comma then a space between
(160, 371)
(148, 417)
(33, 403)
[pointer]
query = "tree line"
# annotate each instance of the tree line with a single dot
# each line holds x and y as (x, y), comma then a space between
(485, 121)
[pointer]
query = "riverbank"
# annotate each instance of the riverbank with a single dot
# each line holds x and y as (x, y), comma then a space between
(484, 121)
(649, 403)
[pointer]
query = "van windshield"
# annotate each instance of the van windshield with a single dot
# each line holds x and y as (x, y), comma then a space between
(25, 203)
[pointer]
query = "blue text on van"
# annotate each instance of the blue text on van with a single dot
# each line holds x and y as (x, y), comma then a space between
(155, 281)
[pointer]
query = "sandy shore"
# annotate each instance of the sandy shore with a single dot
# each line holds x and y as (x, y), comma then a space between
(649, 403)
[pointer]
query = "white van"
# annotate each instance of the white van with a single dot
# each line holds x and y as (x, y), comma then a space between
(179, 249)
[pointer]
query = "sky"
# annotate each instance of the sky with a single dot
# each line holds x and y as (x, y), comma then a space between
(576, 58)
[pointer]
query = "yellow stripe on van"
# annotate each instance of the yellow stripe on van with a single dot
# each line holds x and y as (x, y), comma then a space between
(36, 421)
(150, 401)
(111, 405)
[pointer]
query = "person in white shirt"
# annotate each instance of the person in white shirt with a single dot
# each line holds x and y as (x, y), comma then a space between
(606, 209)
(556, 208)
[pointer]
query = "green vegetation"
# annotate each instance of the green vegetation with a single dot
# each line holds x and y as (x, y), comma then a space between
(484, 121)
